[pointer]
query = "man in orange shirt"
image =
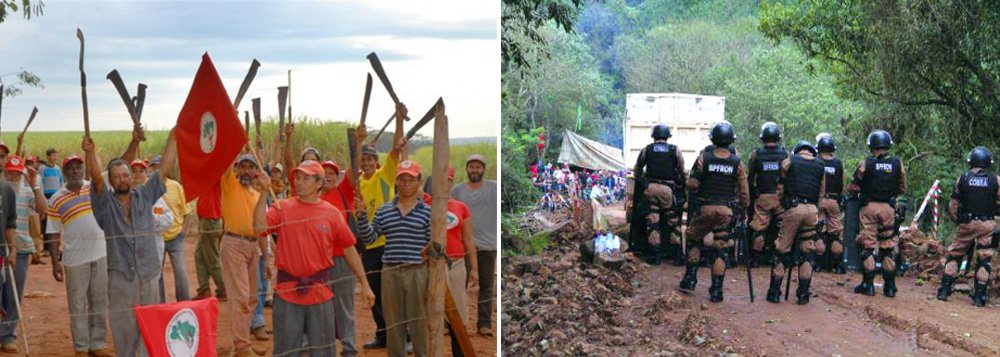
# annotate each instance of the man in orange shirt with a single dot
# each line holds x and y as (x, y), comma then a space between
(304, 258)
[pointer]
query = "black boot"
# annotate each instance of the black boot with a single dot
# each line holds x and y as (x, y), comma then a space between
(866, 287)
(945, 289)
(690, 279)
(979, 296)
(803, 291)
(678, 256)
(774, 291)
(838, 264)
(715, 291)
(656, 253)
(889, 285)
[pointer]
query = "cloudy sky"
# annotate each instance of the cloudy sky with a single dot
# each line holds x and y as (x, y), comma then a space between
(428, 49)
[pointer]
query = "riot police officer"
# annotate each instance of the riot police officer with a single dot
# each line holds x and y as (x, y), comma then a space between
(878, 180)
(660, 173)
(801, 186)
(973, 206)
(830, 250)
(718, 182)
(764, 167)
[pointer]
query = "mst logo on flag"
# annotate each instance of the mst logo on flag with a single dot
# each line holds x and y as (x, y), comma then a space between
(182, 333)
(182, 329)
(209, 133)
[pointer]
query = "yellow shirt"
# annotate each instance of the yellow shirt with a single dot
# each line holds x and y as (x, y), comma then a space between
(177, 202)
(379, 189)
(238, 203)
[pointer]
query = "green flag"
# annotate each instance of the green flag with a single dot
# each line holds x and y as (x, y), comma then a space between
(579, 118)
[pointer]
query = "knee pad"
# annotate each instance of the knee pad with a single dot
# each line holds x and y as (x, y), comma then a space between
(984, 264)
(810, 258)
(884, 254)
(785, 259)
(867, 253)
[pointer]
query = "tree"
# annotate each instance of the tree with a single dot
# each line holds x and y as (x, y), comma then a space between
(520, 20)
(935, 60)
(24, 78)
(27, 7)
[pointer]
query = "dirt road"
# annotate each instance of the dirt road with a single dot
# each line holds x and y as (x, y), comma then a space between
(46, 312)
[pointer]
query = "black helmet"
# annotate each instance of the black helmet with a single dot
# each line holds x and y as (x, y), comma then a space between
(722, 134)
(803, 144)
(980, 157)
(825, 143)
(770, 132)
(879, 139)
(661, 131)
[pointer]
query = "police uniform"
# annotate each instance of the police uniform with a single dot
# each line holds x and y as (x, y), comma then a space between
(718, 181)
(765, 169)
(662, 166)
(802, 185)
(878, 180)
(973, 206)
(830, 250)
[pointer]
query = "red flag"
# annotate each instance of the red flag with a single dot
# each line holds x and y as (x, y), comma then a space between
(209, 133)
(186, 328)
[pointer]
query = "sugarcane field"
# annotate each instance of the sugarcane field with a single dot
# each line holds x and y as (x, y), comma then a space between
(306, 178)
(750, 178)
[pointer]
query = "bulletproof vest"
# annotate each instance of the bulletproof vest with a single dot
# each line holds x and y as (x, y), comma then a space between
(718, 178)
(978, 192)
(803, 178)
(767, 168)
(881, 179)
(834, 170)
(661, 161)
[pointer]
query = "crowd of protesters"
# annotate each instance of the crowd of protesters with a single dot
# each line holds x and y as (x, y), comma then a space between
(560, 185)
(301, 240)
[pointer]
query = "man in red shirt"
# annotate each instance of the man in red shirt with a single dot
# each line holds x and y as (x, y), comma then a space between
(312, 232)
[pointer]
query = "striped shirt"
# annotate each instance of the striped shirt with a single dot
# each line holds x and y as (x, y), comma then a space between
(405, 235)
(70, 214)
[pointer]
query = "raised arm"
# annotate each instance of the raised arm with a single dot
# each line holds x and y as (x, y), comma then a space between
(93, 168)
(398, 142)
(133, 146)
(169, 157)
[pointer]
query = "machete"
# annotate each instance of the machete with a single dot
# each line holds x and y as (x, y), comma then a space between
(282, 100)
(116, 80)
(83, 87)
(255, 104)
(140, 100)
(423, 121)
(387, 122)
(246, 121)
(246, 83)
(364, 105)
(34, 111)
(352, 146)
(382, 77)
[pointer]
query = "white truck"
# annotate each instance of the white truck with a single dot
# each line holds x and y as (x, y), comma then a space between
(689, 116)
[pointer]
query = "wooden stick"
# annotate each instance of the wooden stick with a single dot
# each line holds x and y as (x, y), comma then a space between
(439, 227)
(457, 325)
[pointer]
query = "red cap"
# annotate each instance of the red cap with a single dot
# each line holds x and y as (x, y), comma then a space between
(72, 158)
(139, 163)
(408, 167)
(310, 168)
(4, 146)
(332, 165)
(14, 163)
(31, 159)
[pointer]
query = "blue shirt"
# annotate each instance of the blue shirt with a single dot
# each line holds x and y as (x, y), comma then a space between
(405, 235)
(52, 180)
(132, 247)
